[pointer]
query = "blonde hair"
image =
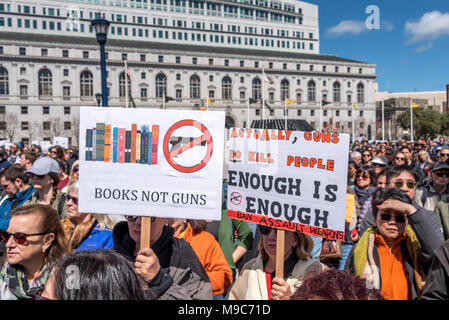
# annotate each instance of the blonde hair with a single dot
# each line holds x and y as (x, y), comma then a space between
(304, 247)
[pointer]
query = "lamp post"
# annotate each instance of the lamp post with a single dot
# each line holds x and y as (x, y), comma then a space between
(98, 97)
(101, 29)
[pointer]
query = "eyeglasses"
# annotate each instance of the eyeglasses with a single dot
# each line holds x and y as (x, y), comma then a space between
(410, 184)
(402, 159)
(73, 199)
(134, 218)
(398, 218)
(362, 176)
(53, 151)
(444, 154)
(19, 237)
(38, 176)
(75, 169)
(4, 186)
(264, 230)
(366, 155)
(442, 174)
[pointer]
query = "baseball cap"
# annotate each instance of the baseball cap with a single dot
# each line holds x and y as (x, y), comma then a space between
(43, 166)
(380, 160)
(440, 166)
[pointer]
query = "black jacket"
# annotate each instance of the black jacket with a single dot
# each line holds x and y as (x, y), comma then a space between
(181, 277)
(437, 282)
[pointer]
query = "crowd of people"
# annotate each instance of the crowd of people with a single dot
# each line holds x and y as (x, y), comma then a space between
(396, 243)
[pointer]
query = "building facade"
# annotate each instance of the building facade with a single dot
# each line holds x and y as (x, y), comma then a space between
(186, 50)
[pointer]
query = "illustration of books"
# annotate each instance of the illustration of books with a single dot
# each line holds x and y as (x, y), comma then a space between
(121, 145)
(89, 145)
(107, 143)
(114, 144)
(154, 144)
(94, 144)
(127, 146)
(144, 145)
(100, 142)
(138, 146)
(133, 142)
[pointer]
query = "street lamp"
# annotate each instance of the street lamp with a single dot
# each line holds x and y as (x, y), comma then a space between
(101, 29)
(98, 97)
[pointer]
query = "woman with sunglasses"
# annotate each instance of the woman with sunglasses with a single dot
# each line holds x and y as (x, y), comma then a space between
(45, 175)
(364, 183)
(85, 231)
(34, 241)
(257, 280)
(395, 255)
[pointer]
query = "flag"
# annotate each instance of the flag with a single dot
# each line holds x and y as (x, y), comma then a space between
(267, 79)
(414, 105)
(289, 102)
(209, 102)
(354, 106)
(268, 106)
(251, 100)
(324, 103)
(128, 72)
(167, 99)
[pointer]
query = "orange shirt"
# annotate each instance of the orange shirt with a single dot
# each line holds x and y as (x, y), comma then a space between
(395, 284)
(212, 258)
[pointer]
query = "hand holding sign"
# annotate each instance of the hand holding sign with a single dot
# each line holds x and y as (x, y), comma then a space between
(147, 264)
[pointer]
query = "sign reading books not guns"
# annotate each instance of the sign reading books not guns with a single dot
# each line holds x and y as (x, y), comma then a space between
(151, 162)
(289, 180)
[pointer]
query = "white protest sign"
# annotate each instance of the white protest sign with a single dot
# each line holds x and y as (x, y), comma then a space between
(151, 162)
(61, 141)
(289, 180)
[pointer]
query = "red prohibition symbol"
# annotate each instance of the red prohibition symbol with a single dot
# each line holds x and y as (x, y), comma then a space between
(206, 136)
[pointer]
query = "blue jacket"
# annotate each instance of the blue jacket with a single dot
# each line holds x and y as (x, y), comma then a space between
(97, 239)
(11, 203)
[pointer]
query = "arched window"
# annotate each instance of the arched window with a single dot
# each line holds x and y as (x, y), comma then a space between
(122, 84)
(311, 91)
(256, 91)
(226, 86)
(284, 90)
(4, 82)
(86, 84)
(195, 87)
(45, 83)
(337, 92)
(360, 93)
(161, 85)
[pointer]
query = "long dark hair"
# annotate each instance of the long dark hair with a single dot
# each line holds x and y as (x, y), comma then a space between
(98, 275)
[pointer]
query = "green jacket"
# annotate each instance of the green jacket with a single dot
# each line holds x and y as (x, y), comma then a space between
(442, 211)
(226, 237)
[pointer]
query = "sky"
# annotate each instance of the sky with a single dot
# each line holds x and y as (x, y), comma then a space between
(410, 48)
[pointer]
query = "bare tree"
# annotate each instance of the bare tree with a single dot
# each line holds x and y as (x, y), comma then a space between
(12, 124)
(34, 131)
(56, 126)
(75, 130)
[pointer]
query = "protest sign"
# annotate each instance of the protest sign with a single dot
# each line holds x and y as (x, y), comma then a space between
(61, 141)
(289, 180)
(155, 163)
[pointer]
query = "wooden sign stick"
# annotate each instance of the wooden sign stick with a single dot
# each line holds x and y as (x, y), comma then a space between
(280, 239)
(145, 232)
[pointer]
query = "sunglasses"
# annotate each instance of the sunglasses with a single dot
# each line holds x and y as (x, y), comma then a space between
(398, 218)
(264, 230)
(134, 218)
(410, 184)
(444, 154)
(442, 174)
(402, 159)
(38, 176)
(75, 169)
(362, 176)
(73, 199)
(19, 237)
(366, 155)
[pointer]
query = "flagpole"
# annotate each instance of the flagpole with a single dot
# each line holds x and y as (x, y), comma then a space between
(285, 111)
(262, 97)
(383, 121)
(321, 115)
(352, 119)
(411, 120)
(126, 84)
(247, 113)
